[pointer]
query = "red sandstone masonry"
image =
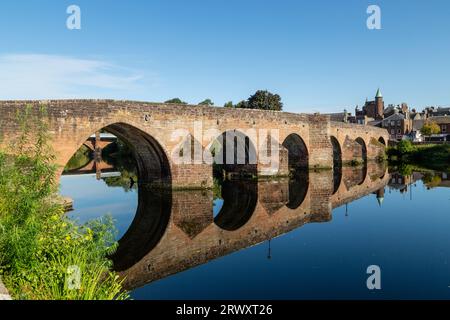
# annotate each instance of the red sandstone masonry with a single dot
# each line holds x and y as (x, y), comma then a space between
(72, 122)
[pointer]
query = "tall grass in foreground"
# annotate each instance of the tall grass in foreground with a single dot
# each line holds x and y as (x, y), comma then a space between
(39, 246)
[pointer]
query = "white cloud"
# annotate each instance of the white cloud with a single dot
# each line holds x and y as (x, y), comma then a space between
(39, 76)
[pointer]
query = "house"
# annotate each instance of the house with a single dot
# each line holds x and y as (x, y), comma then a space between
(398, 125)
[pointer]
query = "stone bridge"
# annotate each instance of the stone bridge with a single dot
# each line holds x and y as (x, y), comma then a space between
(301, 140)
(184, 232)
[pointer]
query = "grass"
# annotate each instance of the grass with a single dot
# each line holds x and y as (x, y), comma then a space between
(43, 254)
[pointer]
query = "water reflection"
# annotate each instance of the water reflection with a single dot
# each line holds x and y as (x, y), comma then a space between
(252, 212)
(176, 231)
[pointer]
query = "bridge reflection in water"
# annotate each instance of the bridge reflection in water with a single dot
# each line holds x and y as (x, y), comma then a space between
(176, 230)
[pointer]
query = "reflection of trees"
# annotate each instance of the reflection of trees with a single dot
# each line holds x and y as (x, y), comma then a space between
(80, 159)
(121, 157)
(431, 180)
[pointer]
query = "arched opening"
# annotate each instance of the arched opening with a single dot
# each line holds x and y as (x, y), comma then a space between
(382, 141)
(239, 199)
(152, 163)
(298, 189)
(298, 157)
(128, 177)
(361, 150)
(337, 164)
(234, 155)
(337, 152)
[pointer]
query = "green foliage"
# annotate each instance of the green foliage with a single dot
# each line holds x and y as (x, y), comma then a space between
(207, 102)
(120, 156)
(432, 180)
(431, 156)
(37, 242)
(80, 159)
(265, 100)
(430, 128)
(242, 105)
(405, 147)
(229, 104)
(176, 101)
(262, 99)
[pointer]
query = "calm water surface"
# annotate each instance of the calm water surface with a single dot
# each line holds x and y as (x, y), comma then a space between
(305, 238)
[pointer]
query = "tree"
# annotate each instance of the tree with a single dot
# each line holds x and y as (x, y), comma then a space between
(264, 100)
(242, 105)
(229, 104)
(405, 147)
(207, 102)
(176, 101)
(430, 128)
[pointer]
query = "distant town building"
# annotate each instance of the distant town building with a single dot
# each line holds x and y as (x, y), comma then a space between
(437, 112)
(399, 120)
(398, 125)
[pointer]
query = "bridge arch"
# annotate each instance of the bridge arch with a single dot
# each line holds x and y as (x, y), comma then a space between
(361, 150)
(298, 156)
(234, 152)
(151, 160)
(337, 151)
(382, 141)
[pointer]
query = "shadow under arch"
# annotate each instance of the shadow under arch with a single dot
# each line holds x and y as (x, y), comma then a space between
(337, 152)
(382, 141)
(146, 230)
(363, 150)
(152, 162)
(298, 156)
(239, 204)
(337, 163)
(234, 153)
(298, 189)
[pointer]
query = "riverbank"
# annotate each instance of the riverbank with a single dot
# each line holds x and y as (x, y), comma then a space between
(431, 156)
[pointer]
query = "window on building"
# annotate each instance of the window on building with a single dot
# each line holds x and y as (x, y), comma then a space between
(398, 122)
(399, 131)
(392, 131)
(392, 123)
(444, 129)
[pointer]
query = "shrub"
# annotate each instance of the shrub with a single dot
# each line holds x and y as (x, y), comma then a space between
(405, 147)
(38, 243)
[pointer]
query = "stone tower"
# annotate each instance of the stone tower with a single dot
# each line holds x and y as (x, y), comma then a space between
(379, 105)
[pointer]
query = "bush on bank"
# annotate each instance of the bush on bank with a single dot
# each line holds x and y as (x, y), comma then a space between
(43, 254)
(433, 156)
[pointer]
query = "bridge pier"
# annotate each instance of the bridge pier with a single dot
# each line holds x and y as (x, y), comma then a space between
(192, 176)
(321, 184)
(320, 147)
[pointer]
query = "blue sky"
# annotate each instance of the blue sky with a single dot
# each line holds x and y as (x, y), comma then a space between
(318, 55)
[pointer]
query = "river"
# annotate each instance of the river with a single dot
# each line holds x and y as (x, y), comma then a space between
(311, 236)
